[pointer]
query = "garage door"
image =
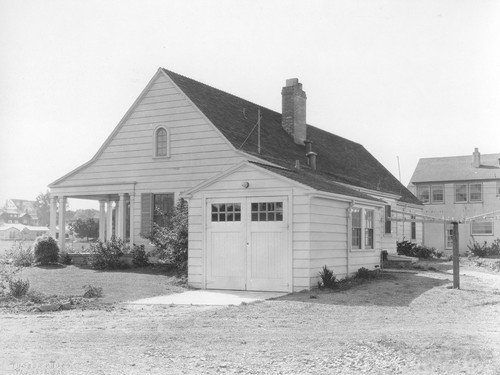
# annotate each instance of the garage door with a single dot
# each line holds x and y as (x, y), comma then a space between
(247, 244)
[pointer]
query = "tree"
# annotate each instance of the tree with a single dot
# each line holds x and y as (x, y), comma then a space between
(85, 228)
(42, 205)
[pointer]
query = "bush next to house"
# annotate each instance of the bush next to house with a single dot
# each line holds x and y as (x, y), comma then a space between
(46, 250)
(106, 255)
(139, 256)
(412, 250)
(20, 256)
(171, 241)
(484, 250)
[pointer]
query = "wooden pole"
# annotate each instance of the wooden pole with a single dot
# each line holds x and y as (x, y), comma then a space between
(456, 260)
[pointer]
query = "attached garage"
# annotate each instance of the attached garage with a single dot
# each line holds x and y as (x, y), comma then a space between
(247, 243)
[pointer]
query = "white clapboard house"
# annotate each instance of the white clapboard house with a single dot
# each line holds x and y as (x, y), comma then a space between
(271, 200)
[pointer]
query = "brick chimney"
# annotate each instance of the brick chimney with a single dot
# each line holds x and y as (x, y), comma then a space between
(293, 115)
(476, 158)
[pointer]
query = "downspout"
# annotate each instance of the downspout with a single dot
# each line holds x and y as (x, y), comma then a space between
(349, 231)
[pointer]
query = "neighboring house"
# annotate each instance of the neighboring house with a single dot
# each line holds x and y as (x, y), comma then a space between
(461, 188)
(19, 211)
(271, 199)
(21, 232)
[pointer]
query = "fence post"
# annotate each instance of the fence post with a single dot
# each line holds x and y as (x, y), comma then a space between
(456, 260)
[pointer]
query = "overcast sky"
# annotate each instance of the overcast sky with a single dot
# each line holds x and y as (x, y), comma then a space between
(407, 79)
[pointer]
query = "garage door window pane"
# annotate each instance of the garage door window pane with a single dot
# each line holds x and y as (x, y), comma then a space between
(267, 211)
(222, 212)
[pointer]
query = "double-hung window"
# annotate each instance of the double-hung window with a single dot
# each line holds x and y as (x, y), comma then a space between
(475, 192)
(460, 193)
(362, 232)
(161, 143)
(468, 193)
(431, 193)
(481, 228)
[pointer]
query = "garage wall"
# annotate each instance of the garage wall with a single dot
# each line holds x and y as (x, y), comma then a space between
(261, 183)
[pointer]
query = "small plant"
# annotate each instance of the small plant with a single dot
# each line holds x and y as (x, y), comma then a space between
(495, 248)
(139, 256)
(328, 279)
(46, 250)
(364, 273)
(36, 296)
(18, 288)
(7, 273)
(91, 291)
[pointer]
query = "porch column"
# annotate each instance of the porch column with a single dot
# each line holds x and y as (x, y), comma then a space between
(121, 217)
(109, 221)
(102, 221)
(132, 206)
(62, 222)
(53, 216)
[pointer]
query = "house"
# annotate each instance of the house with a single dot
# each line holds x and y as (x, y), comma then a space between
(19, 211)
(271, 199)
(460, 188)
(21, 232)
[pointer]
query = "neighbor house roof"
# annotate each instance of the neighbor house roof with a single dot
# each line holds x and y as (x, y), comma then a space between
(456, 168)
(339, 160)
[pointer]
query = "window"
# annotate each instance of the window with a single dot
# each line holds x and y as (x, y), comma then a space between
(368, 229)
(482, 228)
(162, 204)
(460, 193)
(161, 142)
(267, 211)
(413, 228)
(362, 223)
(498, 188)
(475, 192)
(388, 228)
(449, 236)
(356, 228)
(437, 193)
(226, 212)
(423, 193)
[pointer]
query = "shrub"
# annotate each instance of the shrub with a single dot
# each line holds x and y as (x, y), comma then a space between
(64, 258)
(36, 296)
(19, 287)
(495, 248)
(139, 256)
(46, 250)
(91, 291)
(7, 272)
(364, 273)
(171, 241)
(410, 249)
(477, 249)
(20, 255)
(106, 255)
(328, 279)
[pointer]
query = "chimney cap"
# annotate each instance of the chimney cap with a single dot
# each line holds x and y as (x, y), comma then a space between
(292, 82)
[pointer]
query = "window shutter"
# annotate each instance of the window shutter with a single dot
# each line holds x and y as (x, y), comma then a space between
(146, 213)
(387, 222)
(170, 203)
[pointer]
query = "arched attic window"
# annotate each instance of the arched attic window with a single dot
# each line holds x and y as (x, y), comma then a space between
(161, 142)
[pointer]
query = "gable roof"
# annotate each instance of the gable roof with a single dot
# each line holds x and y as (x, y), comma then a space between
(339, 160)
(456, 168)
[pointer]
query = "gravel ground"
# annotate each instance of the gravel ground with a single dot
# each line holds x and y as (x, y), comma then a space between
(403, 323)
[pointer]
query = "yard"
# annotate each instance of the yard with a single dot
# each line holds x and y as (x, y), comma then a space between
(401, 323)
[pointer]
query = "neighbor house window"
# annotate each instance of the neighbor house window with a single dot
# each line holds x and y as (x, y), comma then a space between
(161, 142)
(498, 188)
(475, 192)
(362, 223)
(460, 193)
(423, 193)
(388, 213)
(449, 236)
(413, 228)
(437, 194)
(482, 228)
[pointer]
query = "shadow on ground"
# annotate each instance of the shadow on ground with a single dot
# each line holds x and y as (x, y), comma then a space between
(390, 289)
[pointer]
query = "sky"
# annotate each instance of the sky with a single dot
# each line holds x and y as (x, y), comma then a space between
(406, 79)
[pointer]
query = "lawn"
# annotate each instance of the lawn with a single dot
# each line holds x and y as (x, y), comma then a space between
(118, 286)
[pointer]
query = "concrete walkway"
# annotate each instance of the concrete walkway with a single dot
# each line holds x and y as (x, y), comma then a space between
(209, 298)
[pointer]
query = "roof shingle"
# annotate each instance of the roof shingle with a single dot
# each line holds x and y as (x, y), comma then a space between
(341, 160)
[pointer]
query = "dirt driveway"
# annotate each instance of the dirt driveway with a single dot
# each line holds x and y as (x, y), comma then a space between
(405, 323)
